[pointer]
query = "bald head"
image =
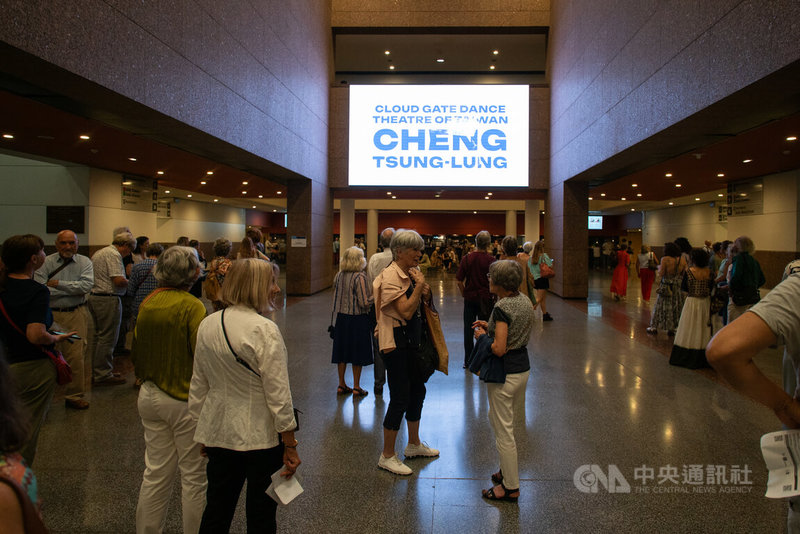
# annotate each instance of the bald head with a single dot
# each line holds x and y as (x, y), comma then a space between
(386, 237)
(67, 244)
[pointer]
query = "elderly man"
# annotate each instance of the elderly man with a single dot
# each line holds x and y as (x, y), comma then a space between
(473, 282)
(105, 305)
(69, 276)
(377, 263)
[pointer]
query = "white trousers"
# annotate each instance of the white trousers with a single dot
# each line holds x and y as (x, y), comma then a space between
(506, 403)
(169, 445)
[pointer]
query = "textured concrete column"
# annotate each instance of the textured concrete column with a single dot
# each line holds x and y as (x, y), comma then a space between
(566, 236)
(372, 232)
(511, 222)
(310, 227)
(532, 208)
(347, 223)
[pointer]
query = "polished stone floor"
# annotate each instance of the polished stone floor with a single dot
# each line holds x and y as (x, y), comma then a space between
(601, 393)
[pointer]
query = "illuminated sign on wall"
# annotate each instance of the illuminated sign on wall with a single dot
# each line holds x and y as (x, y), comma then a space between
(439, 135)
(595, 222)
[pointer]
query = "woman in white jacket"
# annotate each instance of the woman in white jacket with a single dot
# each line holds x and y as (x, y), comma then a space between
(241, 399)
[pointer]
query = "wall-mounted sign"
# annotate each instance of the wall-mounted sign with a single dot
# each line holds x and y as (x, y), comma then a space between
(298, 241)
(65, 218)
(164, 209)
(139, 194)
(745, 198)
(439, 135)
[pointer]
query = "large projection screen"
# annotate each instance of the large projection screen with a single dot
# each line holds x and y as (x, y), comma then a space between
(439, 135)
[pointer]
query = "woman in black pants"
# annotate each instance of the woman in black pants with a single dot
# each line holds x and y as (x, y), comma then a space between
(398, 291)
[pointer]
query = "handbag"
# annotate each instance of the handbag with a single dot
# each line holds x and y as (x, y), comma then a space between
(436, 336)
(545, 270)
(63, 370)
(651, 262)
(664, 289)
(331, 327)
(719, 299)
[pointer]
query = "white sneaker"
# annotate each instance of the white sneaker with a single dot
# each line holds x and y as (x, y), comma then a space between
(412, 451)
(394, 465)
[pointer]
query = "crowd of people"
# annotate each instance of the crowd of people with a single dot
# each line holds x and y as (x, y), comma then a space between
(214, 395)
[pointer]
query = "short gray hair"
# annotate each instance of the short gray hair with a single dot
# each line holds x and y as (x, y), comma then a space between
(123, 239)
(483, 239)
(177, 267)
(527, 247)
(222, 246)
(352, 260)
(745, 244)
(506, 274)
(405, 239)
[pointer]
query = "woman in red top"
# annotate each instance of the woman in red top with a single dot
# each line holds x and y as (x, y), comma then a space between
(619, 280)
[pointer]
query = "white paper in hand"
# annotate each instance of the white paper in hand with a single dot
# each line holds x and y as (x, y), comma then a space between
(781, 452)
(284, 491)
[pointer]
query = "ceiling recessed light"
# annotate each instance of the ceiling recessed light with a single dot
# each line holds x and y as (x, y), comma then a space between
(474, 212)
(634, 185)
(678, 185)
(244, 192)
(244, 183)
(632, 209)
(720, 174)
(216, 200)
(590, 198)
(792, 138)
(671, 203)
(203, 182)
(409, 211)
(720, 195)
(209, 172)
(495, 52)
(273, 211)
(254, 206)
(167, 192)
(190, 196)
(160, 172)
(394, 196)
(391, 67)
(279, 192)
(491, 67)
(602, 194)
(697, 198)
(742, 194)
(623, 198)
(489, 194)
(668, 175)
(437, 195)
(440, 60)
(8, 136)
(260, 196)
(132, 159)
(84, 137)
(746, 160)
(387, 52)
(486, 198)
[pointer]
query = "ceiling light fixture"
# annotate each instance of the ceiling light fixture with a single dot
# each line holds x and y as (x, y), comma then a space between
(394, 196)
(244, 183)
(668, 175)
(260, 196)
(409, 211)
(671, 203)
(720, 195)
(203, 182)
(490, 194)
(633, 209)
(216, 200)
(8, 136)
(279, 192)
(132, 159)
(167, 192)
(590, 198)
(495, 52)
(792, 138)
(391, 67)
(254, 206)
(720, 174)
(623, 198)
(273, 211)
(474, 212)
(84, 137)
(634, 185)
(485, 198)
(638, 194)
(746, 160)
(244, 192)
(491, 67)
(388, 192)
(190, 196)
(440, 60)
(209, 172)
(160, 172)
(678, 185)
(697, 198)
(387, 52)
(602, 194)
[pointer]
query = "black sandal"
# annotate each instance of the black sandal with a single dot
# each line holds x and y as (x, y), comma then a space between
(343, 390)
(489, 494)
(358, 392)
(497, 478)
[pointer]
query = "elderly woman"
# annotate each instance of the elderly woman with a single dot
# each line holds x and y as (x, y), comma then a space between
(352, 339)
(510, 325)
(241, 400)
(217, 270)
(24, 321)
(542, 284)
(399, 290)
(163, 352)
(745, 277)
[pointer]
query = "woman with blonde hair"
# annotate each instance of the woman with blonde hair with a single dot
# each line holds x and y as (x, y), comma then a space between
(542, 284)
(352, 338)
(241, 400)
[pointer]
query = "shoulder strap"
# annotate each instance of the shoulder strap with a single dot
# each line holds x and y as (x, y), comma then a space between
(63, 266)
(335, 294)
(236, 356)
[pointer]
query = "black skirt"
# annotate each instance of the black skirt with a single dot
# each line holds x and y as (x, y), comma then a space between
(352, 340)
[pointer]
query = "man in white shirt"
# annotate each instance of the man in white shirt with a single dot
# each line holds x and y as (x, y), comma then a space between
(377, 263)
(69, 276)
(105, 305)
